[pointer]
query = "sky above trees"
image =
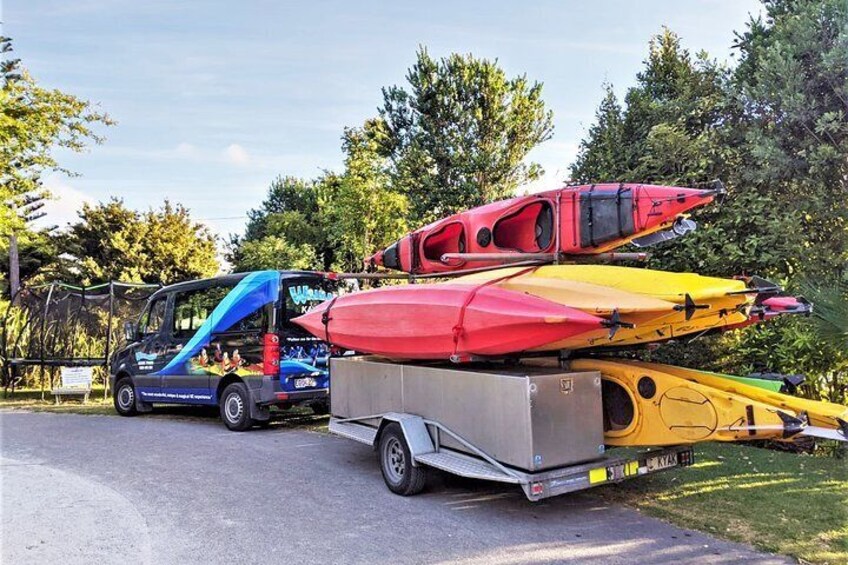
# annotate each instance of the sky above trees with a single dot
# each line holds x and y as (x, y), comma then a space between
(213, 101)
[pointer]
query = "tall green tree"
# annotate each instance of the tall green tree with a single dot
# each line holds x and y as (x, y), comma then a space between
(459, 134)
(601, 154)
(362, 212)
(285, 232)
(112, 242)
(773, 128)
(792, 83)
(34, 121)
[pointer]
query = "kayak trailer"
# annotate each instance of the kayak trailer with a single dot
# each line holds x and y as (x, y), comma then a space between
(539, 428)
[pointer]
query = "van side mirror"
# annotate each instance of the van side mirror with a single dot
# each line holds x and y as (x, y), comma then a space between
(130, 332)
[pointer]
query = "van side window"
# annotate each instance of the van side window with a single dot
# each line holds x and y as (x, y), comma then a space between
(194, 307)
(153, 318)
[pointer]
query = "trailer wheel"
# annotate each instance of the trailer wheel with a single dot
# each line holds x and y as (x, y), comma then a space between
(401, 476)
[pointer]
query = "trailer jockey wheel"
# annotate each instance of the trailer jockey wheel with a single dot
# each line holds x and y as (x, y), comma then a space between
(401, 476)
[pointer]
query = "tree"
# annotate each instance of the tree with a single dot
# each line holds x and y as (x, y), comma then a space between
(601, 156)
(34, 121)
(791, 83)
(289, 222)
(112, 242)
(459, 135)
(362, 212)
(774, 130)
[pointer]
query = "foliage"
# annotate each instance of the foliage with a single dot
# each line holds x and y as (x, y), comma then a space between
(112, 242)
(791, 84)
(285, 231)
(361, 212)
(34, 121)
(330, 223)
(275, 252)
(459, 135)
(774, 130)
(831, 312)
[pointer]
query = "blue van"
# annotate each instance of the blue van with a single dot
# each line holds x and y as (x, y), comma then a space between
(227, 341)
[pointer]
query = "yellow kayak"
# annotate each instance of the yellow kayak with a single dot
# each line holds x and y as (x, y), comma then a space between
(650, 407)
(660, 284)
(820, 413)
(600, 290)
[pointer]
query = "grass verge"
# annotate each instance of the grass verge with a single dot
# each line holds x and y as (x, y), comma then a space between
(779, 502)
(30, 399)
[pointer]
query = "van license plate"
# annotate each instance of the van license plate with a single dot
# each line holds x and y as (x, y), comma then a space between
(306, 382)
(661, 462)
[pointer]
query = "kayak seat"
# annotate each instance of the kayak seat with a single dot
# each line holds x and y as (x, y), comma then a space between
(450, 238)
(617, 406)
(528, 230)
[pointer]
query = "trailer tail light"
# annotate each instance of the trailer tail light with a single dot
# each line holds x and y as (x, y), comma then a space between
(271, 354)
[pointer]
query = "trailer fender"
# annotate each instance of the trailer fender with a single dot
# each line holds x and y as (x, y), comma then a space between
(414, 432)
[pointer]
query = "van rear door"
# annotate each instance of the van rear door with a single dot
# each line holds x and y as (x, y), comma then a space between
(300, 352)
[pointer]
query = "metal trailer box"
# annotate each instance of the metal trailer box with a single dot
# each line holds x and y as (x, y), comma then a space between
(530, 418)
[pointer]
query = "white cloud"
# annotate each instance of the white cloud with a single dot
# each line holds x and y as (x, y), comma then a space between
(186, 150)
(236, 155)
(66, 201)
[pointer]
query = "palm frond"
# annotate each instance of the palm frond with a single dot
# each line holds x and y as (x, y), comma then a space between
(830, 311)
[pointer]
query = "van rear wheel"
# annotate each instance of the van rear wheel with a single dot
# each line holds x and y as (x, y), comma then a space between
(235, 408)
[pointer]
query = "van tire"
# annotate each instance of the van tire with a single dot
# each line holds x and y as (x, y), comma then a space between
(124, 397)
(235, 408)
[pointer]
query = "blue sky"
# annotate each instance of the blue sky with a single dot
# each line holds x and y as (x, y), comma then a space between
(214, 99)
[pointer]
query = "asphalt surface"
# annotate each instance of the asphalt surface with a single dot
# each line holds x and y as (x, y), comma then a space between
(105, 489)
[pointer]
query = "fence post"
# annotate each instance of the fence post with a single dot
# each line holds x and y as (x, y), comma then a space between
(43, 330)
(107, 361)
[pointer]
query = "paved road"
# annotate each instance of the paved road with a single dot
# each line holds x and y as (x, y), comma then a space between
(104, 489)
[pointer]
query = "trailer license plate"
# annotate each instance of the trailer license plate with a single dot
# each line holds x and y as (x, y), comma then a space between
(660, 462)
(305, 382)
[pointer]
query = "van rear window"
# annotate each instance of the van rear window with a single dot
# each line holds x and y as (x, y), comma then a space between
(301, 295)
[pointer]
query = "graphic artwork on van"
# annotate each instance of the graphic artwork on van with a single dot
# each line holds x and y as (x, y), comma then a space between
(316, 354)
(304, 294)
(221, 363)
(253, 292)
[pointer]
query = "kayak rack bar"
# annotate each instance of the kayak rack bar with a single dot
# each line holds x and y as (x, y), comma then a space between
(513, 260)
(547, 257)
(412, 277)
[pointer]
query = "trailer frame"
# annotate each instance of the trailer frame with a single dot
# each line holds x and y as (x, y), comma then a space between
(404, 469)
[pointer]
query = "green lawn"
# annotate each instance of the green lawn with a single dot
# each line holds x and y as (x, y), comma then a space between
(780, 502)
(30, 399)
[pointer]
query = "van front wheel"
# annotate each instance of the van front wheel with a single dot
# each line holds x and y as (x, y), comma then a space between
(124, 397)
(235, 408)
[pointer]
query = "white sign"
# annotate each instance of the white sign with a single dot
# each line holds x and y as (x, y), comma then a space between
(76, 377)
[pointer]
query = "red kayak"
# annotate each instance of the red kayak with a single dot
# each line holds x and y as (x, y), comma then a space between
(575, 220)
(773, 307)
(444, 321)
